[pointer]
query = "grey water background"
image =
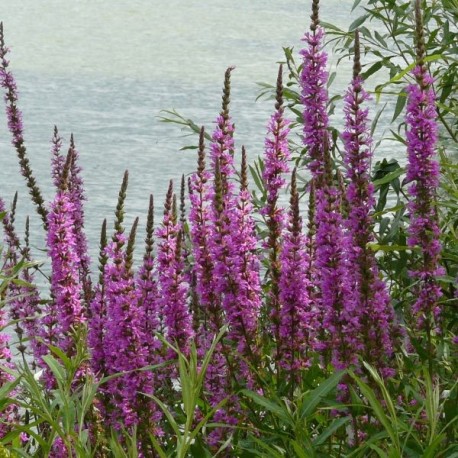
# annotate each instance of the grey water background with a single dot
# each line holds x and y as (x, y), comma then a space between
(104, 70)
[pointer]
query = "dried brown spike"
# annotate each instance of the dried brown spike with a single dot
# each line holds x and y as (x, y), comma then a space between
(168, 199)
(243, 171)
(201, 153)
(103, 258)
(279, 91)
(119, 213)
(149, 240)
(226, 93)
(131, 246)
(315, 17)
(357, 56)
(182, 201)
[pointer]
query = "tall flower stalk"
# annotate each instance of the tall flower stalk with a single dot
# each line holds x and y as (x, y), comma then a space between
(313, 81)
(14, 116)
(276, 157)
(124, 349)
(372, 301)
(423, 174)
(66, 288)
(295, 312)
(172, 286)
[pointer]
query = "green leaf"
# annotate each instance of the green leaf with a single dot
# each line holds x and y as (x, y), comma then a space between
(271, 406)
(357, 22)
(312, 399)
(388, 248)
(400, 104)
(372, 69)
(389, 177)
(369, 394)
(300, 452)
(330, 430)
(56, 368)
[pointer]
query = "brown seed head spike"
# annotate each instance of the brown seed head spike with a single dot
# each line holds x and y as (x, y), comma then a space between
(149, 240)
(294, 202)
(357, 56)
(168, 199)
(243, 172)
(103, 258)
(2, 42)
(183, 201)
(66, 170)
(131, 246)
(13, 209)
(419, 34)
(226, 93)
(189, 186)
(119, 213)
(315, 15)
(27, 236)
(174, 209)
(218, 185)
(201, 153)
(279, 95)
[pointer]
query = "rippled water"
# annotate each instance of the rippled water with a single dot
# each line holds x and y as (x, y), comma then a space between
(104, 70)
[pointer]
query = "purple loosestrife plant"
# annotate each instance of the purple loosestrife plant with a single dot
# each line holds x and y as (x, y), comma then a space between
(242, 299)
(23, 299)
(124, 349)
(423, 174)
(9, 414)
(76, 191)
(148, 291)
(14, 117)
(276, 157)
(97, 312)
(77, 196)
(66, 288)
(57, 159)
(222, 146)
(295, 312)
(313, 81)
(98, 305)
(337, 320)
(217, 381)
(200, 214)
(335, 316)
(372, 301)
(172, 287)
(221, 193)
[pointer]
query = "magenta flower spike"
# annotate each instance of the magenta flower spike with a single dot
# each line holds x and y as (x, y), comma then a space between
(23, 300)
(77, 196)
(173, 289)
(200, 219)
(124, 349)
(372, 300)
(147, 286)
(98, 313)
(295, 312)
(423, 174)
(336, 319)
(57, 159)
(242, 298)
(313, 81)
(66, 288)
(8, 415)
(276, 157)
(222, 146)
(14, 117)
